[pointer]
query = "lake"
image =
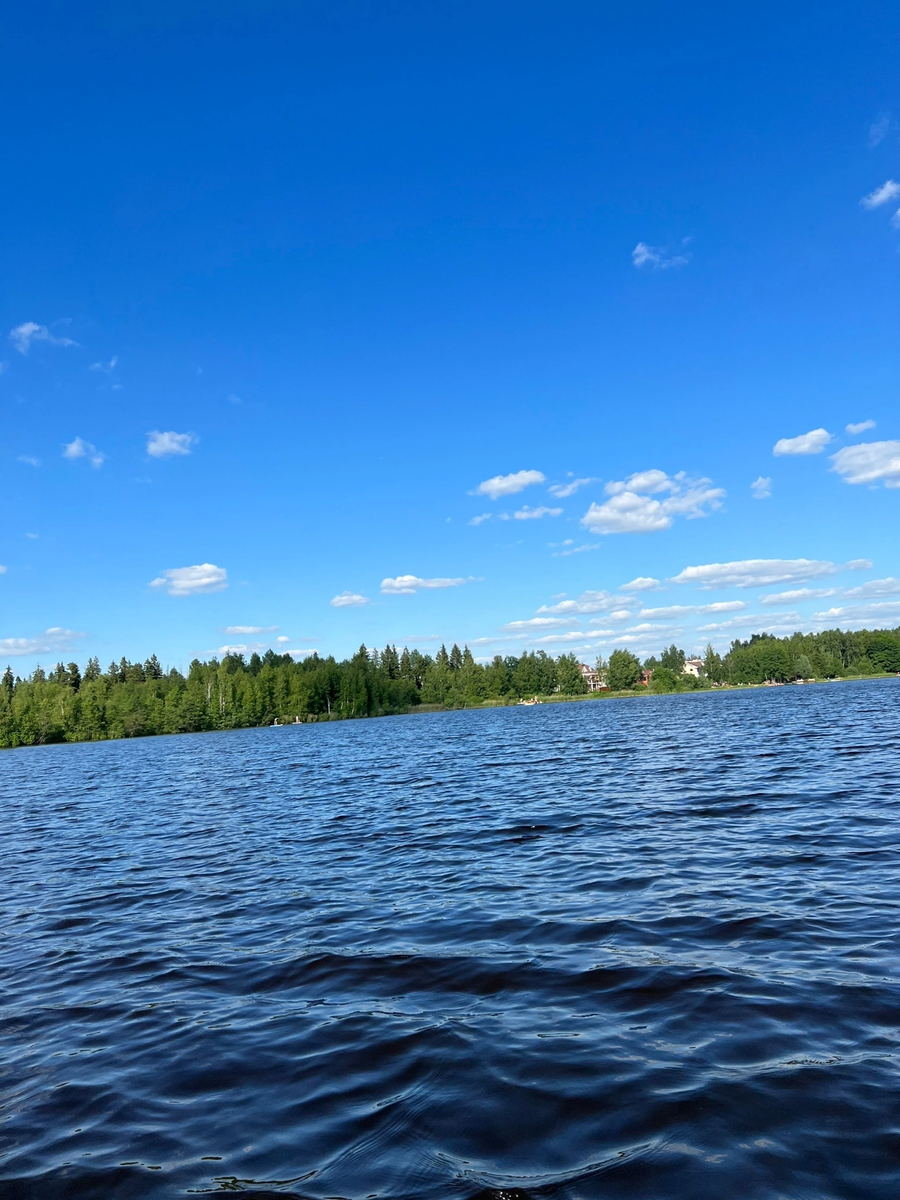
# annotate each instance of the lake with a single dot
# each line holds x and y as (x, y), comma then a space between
(626, 948)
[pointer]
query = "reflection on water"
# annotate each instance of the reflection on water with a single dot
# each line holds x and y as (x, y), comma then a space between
(609, 949)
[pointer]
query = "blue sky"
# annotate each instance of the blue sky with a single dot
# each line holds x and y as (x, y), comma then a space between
(293, 294)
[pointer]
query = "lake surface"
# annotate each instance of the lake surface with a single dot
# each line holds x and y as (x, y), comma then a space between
(641, 948)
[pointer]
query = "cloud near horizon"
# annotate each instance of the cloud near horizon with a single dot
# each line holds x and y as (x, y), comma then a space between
(508, 485)
(535, 514)
(29, 331)
(763, 572)
(192, 581)
(633, 507)
(51, 641)
(408, 585)
(869, 462)
(165, 445)
(813, 442)
(249, 630)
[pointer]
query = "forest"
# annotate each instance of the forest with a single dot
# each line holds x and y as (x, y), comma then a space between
(128, 699)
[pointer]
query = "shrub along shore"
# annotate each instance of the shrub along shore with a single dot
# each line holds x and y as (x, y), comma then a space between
(129, 699)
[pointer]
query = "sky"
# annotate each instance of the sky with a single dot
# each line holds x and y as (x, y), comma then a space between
(520, 325)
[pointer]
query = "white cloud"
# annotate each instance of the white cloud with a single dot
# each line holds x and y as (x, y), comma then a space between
(192, 581)
(349, 600)
(875, 587)
(685, 610)
(617, 614)
(534, 514)
(281, 640)
(657, 257)
(860, 426)
(869, 462)
(164, 445)
(481, 517)
(564, 490)
(886, 612)
(813, 442)
(542, 623)
(766, 624)
(888, 191)
(761, 488)
(23, 335)
(29, 460)
(243, 648)
(632, 508)
(3, 569)
(106, 368)
(508, 485)
(643, 583)
(587, 602)
(51, 641)
(79, 448)
(572, 549)
(796, 594)
(879, 130)
(755, 572)
(246, 630)
(407, 585)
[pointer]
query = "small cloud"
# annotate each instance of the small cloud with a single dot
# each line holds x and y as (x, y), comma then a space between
(795, 595)
(33, 536)
(888, 191)
(29, 461)
(755, 572)
(587, 602)
(51, 641)
(869, 462)
(281, 640)
(632, 507)
(875, 587)
(3, 569)
(79, 448)
(232, 398)
(534, 514)
(248, 630)
(761, 488)
(879, 130)
(481, 517)
(408, 585)
(583, 549)
(686, 610)
(508, 485)
(563, 490)
(657, 258)
(541, 623)
(860, 426)
(813, 442)
(879, 614)
(166, 445)
(23, 336)
(106, 368)
(349, 600)
(643, 583)
(192, 581)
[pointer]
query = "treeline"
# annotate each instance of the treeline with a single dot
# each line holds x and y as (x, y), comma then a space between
(138, 699)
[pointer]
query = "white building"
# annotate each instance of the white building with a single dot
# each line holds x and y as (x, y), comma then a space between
(594, 680)
(693, 666)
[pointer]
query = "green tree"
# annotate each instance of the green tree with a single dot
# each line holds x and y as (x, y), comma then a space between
(623, 671)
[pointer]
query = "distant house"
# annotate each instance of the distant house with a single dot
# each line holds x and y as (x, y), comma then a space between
(693, 666)
(646, 676)
(594, 679)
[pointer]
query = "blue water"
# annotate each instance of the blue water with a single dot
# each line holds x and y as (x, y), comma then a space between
(640, 948)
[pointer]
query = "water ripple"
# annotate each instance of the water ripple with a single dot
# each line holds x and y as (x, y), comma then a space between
(608, 949)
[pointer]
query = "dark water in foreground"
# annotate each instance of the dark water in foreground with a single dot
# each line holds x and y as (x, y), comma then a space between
(619, 949)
